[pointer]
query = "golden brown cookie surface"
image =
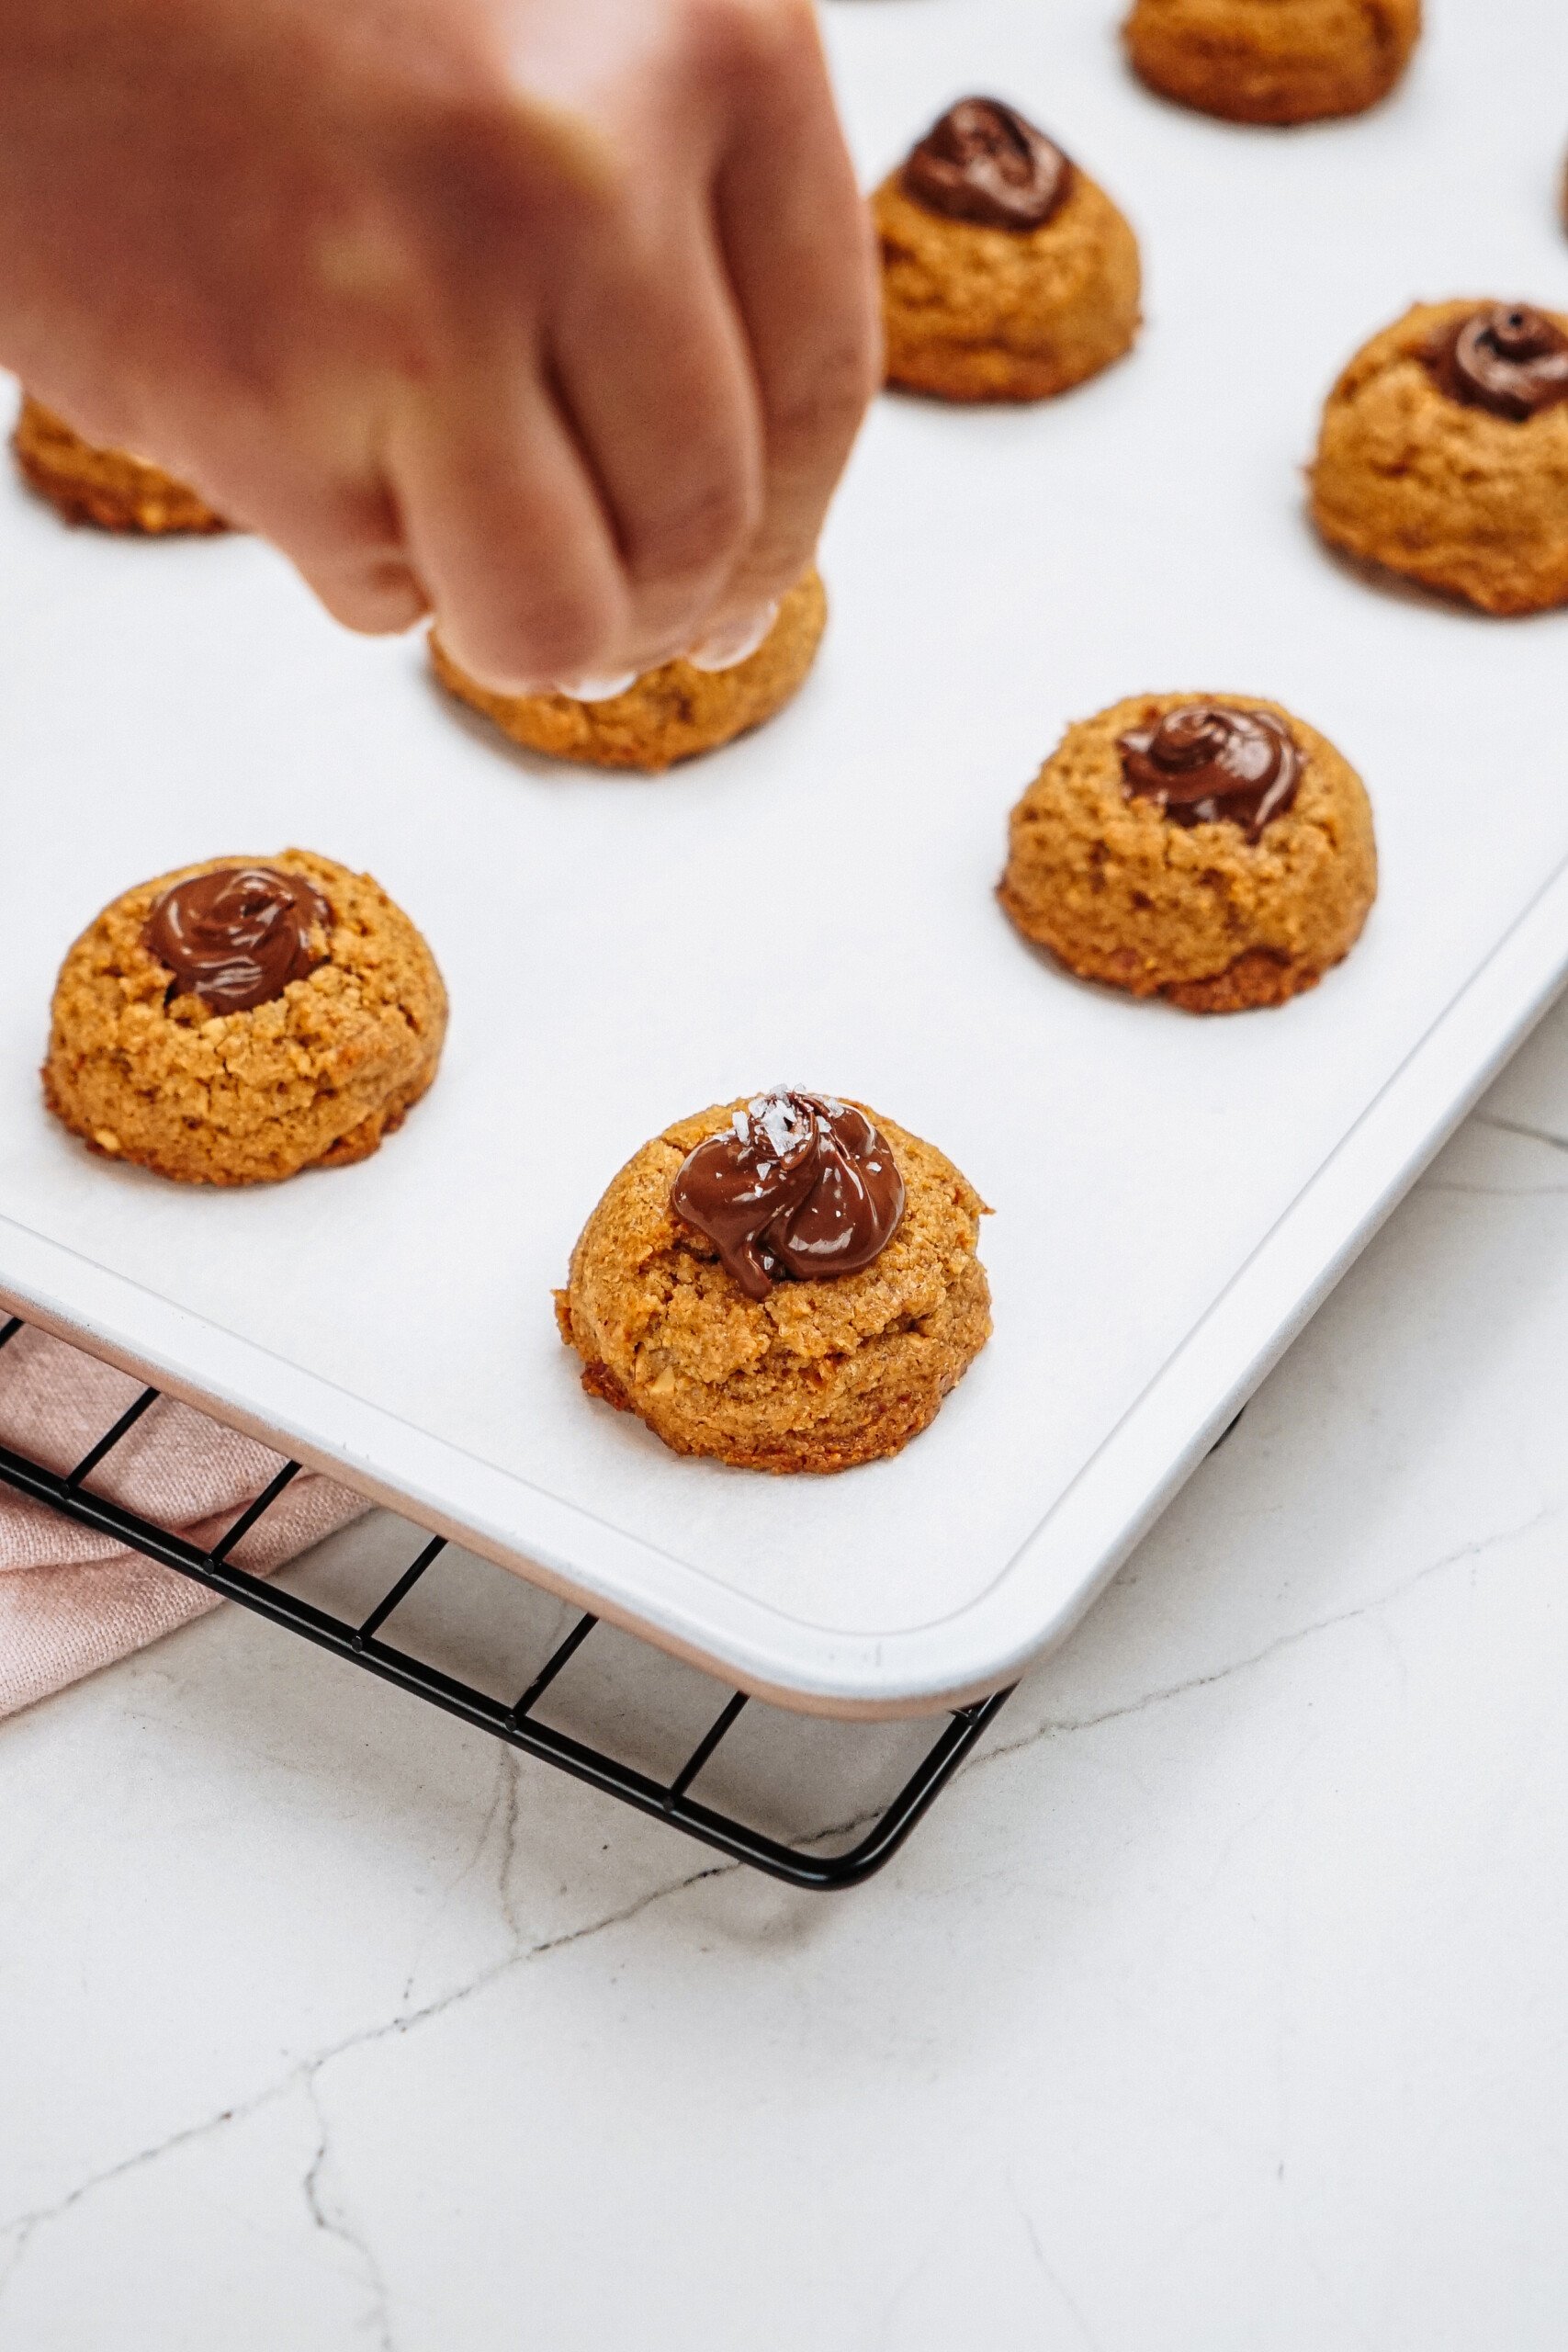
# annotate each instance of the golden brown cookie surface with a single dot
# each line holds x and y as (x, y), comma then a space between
(673, 713)
(819, 1374)
(314, 1076)
(973, 312)
(1199, 914)
(1469, 502)
(1272, 61)
(108, 487)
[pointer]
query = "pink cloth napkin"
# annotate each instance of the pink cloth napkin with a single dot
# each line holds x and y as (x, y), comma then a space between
(71, 1601)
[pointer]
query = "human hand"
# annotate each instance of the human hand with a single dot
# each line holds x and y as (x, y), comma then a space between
(556, 316)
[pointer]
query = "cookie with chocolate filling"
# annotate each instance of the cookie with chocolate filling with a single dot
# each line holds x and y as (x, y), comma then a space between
(673, 713)
(236, 1020)
(1443, 454)
(1215, 850)
(785, 1284)
(1272, 61)
(1007, 274)
(108, 487)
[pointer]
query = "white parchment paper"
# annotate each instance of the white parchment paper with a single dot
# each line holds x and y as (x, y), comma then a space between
(814, 905)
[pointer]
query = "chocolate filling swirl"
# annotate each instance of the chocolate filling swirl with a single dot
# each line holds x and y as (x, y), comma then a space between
(1205, 765)
(1507, 358)
(798, 1186)
(237, 936)
(987, 162)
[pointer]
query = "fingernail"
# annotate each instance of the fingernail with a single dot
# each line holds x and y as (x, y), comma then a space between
(727, 648)
(596, 689)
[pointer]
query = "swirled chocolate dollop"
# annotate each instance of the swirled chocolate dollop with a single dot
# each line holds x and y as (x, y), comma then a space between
(799, 1185)
(987, 162)
(1203, 763)
(236, 937)
(1507, 358)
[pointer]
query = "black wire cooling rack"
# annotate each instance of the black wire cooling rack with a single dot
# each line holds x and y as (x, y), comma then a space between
(360, 1641)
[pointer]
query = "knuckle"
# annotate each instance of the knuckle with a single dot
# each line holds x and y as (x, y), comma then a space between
(824, 408)
(478, 168)
(766, 37)
(698, 531)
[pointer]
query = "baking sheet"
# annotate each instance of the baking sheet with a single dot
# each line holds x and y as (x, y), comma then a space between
(814, 905)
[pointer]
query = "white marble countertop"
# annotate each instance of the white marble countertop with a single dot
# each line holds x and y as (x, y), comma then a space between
(1221, 2003)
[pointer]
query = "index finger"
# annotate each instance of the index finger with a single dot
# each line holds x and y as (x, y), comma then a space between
(795, 233)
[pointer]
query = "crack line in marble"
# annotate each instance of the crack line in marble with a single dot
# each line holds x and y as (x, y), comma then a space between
(336, 2225)
(894, 2300)
(303, 2072)
(1063, 1723)
(498, 1805)
(514, 1762)
(23, 2225)
(1044, 2266)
